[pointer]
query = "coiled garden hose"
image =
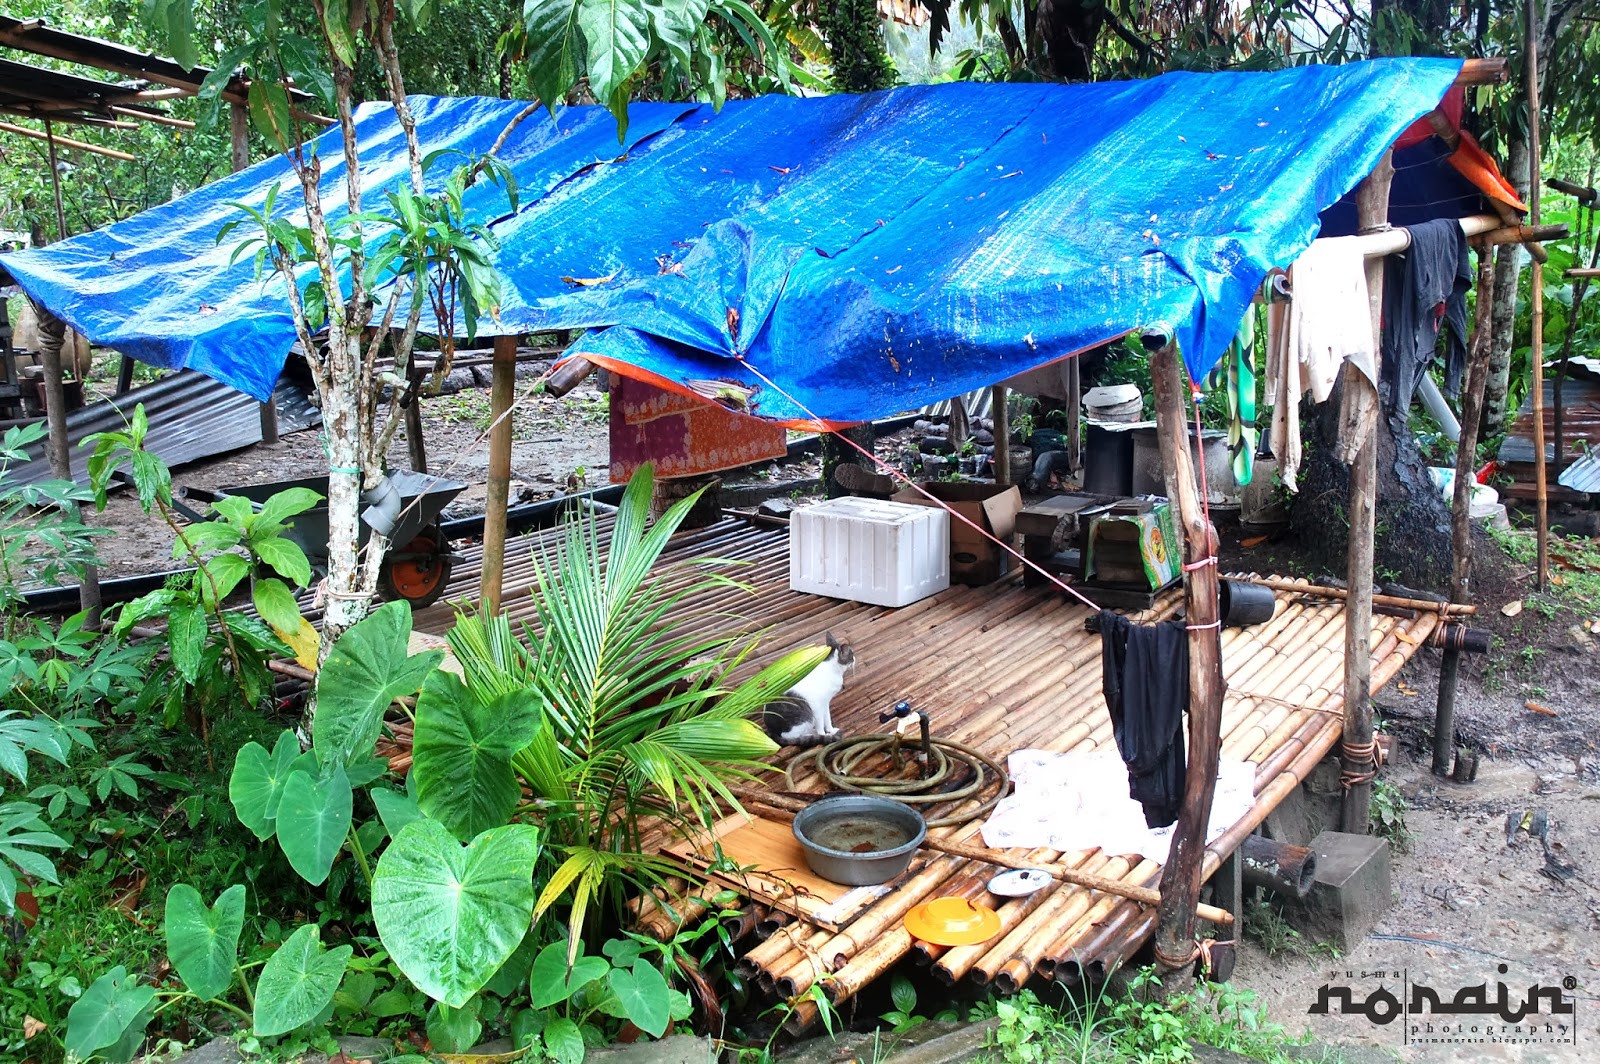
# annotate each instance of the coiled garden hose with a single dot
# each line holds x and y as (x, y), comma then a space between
(837, 763)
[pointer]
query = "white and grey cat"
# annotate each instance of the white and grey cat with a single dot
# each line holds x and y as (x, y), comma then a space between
(803, 716)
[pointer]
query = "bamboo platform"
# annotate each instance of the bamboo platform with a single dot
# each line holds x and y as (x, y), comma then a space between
(1002, 668)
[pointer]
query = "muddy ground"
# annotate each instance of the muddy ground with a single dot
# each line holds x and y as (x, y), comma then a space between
(1465, 900)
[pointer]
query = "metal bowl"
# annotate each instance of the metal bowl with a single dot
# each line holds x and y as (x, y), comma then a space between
(859, 839)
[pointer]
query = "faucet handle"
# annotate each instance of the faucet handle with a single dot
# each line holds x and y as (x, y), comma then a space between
(900, 711)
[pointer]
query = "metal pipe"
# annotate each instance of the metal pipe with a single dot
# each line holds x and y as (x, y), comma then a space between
(1438, 409)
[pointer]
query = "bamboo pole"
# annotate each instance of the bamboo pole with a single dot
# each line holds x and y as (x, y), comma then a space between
(1181, 875)
(1536, 306)
(499, 485)
(1372, 210)
(1452, 609)
(67, 142)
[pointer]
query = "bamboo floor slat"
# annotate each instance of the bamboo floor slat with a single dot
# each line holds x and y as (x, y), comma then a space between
(1002, 668)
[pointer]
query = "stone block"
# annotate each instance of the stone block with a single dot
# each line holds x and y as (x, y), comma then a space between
(1352, 890)
(1309, 809)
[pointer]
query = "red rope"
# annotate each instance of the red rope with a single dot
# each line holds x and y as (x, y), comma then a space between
(896, 474)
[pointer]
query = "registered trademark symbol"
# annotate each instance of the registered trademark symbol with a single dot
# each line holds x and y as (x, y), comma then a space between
(1569, 983)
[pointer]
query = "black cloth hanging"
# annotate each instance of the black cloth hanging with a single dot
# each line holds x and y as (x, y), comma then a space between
(1145, 676)
(1424, 288)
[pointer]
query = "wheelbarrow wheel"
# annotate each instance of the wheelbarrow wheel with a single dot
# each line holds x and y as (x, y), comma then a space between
(417, 572)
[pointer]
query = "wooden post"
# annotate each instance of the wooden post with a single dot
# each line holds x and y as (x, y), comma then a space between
(1000, 416)
(1071, 384)
(1477, 378)
(239, 136)
(1372, 214)
(1536, 307)
(415, 445)
(55, 396)
(1181, 875)
(499, 486)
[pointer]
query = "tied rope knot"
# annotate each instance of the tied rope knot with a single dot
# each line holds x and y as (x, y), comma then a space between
(1200, 949)
(1361, 762)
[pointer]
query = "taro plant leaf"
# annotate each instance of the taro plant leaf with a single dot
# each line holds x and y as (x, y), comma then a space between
(298, 982)
(450, 915)
(462, 750)
(395, 809)
(513, 974)
(202, 941)
(256, 786)
(553, 980)
(645, 997)
(367, 669)
(313, 821)
(563, 1041)
(454, 1030)
(106, 1012)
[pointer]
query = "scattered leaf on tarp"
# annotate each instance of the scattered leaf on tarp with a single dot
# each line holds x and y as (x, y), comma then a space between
(1253, 541)
(1511, 609)
(585, 282)
(1543, 711)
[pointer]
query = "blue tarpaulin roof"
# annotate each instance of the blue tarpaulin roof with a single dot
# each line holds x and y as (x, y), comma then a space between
(845, 257)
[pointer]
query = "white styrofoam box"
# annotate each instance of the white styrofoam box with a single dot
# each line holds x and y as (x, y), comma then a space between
(869, 550)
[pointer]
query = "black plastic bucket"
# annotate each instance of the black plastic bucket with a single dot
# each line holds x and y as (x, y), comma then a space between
(1245, 604)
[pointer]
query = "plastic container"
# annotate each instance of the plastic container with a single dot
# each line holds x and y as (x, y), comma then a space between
(1243, 604)
(1114, 402)
(869, 550)
(859, 839)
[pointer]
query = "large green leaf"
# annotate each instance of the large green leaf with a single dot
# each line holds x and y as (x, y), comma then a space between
(453, 1030)
(367, 669)
(616, 35)
(450, 915)
(553, 980)
(552, 66)
(313, 821)
(203, 942)
(461, 752)
(275, 603)
(256, 786)
(298, 982)
(646, 998)
(106, 1013)
(186, 639)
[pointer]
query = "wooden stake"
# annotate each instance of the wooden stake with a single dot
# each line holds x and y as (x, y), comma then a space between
(499, 486)
(1372, 214)
(1536, 307)
(1001, 418)
(1181, 874)
(1472, 389)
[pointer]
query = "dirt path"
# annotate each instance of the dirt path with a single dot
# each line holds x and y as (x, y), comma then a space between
(1466, 900)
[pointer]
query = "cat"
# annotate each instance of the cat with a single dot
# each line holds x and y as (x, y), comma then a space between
(802, 716)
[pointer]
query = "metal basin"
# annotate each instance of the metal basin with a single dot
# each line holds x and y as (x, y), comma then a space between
(859, 839)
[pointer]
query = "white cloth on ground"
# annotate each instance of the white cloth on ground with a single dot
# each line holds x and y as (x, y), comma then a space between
(1079, 801)
(1328, 321)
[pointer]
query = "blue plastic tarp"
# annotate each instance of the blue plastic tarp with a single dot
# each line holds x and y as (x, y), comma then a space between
(839, 257)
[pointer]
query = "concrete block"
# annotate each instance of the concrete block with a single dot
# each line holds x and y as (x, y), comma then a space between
(1352, 889)
(1309, 809)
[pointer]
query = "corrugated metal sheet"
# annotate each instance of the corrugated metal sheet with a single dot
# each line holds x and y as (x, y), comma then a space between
(191, 417)
(1580, 422)
(1583, 475)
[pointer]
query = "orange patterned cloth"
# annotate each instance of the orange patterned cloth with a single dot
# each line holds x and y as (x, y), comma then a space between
(684, 436)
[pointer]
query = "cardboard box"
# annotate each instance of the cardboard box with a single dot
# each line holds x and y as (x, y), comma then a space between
(1132, 544)
(974, 559)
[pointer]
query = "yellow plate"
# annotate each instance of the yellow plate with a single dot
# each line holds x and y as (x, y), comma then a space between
(952, 922)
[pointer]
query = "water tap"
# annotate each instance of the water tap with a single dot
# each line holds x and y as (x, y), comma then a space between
(908, 719)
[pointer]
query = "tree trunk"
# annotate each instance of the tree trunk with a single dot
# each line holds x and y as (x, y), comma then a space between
(836, 452)
(1507, 269)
